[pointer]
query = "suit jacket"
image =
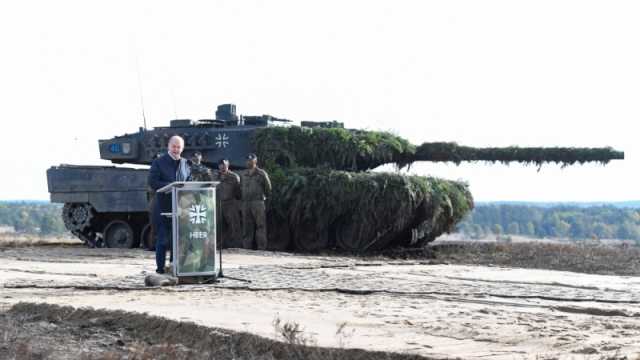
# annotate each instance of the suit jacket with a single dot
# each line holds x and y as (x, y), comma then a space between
(162, 173)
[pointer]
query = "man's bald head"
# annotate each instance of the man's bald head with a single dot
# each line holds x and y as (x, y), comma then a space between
(175, 147)
(176, 138)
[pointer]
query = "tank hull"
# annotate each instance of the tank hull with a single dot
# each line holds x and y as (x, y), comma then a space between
(310, 210)
(104, 205)
(321, 209)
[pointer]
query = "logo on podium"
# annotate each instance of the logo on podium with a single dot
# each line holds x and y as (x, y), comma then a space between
(197, 214)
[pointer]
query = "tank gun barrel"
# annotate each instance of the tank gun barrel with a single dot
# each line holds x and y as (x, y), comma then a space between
(344, 149)
(452, 152)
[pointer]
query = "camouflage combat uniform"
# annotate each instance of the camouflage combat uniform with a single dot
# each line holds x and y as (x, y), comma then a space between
(228, 195)
(200, 172)
(256, 187)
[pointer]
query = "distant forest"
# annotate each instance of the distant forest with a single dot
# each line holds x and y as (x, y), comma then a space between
(487, 220)
(573, 222)
(39, 218)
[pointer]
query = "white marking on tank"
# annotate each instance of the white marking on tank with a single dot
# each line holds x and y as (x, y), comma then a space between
(222, 140)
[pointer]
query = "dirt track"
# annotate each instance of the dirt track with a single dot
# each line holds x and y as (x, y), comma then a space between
(402, 306)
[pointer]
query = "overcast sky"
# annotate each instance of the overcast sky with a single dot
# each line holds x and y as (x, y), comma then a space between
(481, 73)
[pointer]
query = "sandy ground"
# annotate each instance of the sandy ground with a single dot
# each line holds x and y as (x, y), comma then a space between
(405, 306)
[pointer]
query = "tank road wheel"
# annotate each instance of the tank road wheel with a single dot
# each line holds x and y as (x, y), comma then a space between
(77, 216)
(147, 238)
(118, 234)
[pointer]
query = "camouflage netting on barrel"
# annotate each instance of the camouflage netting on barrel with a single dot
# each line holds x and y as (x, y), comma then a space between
(320, 209)
(565, 156)
(355, 150)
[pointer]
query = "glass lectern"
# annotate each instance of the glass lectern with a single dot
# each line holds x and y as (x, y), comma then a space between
(194, 228)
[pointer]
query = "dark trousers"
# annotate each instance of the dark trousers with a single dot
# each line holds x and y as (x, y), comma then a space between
(254, 222)
(230, 224)
(163, 239)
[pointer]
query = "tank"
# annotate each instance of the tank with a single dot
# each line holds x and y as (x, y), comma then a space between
(325, 195)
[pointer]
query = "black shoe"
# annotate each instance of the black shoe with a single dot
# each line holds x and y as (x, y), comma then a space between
(159, 271)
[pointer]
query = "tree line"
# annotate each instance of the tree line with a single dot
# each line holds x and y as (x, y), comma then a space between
(32, 218)
(573, 222)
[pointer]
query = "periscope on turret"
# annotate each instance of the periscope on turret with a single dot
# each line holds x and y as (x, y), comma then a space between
(323, 196)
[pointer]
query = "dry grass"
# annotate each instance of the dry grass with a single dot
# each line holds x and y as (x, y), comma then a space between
(41, 331)
(24, 240)
(34, 330)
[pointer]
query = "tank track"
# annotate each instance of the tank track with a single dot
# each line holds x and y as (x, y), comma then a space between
(77, 219)
(90, 238)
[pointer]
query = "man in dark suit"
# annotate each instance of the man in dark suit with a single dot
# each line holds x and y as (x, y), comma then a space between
(166, 169)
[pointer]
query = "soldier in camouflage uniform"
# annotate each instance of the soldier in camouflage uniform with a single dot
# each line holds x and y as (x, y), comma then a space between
(199, 172)
(256, 187)
(228, 195)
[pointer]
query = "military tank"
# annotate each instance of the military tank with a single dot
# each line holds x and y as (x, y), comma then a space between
(325, 196)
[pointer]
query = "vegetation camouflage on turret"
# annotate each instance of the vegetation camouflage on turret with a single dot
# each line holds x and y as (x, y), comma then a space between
(317, 206)
(344, 149)
(336, 148)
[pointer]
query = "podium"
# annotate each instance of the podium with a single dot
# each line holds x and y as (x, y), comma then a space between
(194, 228)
